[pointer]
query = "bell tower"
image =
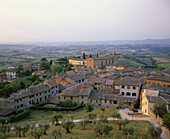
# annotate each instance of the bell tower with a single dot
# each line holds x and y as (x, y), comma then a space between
(114, 53)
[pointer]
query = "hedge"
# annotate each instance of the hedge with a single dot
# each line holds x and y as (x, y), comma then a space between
(40, 107)
(21, 114)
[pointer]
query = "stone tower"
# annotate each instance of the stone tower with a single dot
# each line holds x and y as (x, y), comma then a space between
(114, 53)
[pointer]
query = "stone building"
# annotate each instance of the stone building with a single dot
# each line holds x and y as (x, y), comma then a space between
(77, 79)
(101, 62)
(77, 61)
(3, 77)
(24, 99)
(163, 81)
(150, 97)
(78, 94)
(109, 98)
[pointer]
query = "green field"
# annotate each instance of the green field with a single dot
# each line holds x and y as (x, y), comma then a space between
(130, 62)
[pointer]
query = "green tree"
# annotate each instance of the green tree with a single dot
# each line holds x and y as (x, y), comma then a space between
(19, 71)
(3, 130)
(154, 132)
(92, 116)
(36, 132)
(88, 107)
(44, 127)
(27, 72)
(125, 122)
(43, 59)
(159, 109)
(102, 129)
(18, 130)
(166, 120)
(116, 115)
(68, 126)
(56, 69)
(25, 129)
(103, 119)
(51, 61)
(119, 123)
(44, 64)
(83, 124)
(102, 109)
(56, 117)
(84, 56)
(128, 131)
(160, 68)
(56, 134)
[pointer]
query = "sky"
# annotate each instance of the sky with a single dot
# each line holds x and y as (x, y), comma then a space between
(83, 20)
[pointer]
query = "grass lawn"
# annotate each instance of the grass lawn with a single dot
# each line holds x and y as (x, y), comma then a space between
(140, 128)
(45, 116)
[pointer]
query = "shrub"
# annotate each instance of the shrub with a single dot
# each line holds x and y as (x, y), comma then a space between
(3, 120)
(21, 114)
(41, 107)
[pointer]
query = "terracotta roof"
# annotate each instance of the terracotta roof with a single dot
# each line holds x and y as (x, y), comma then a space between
(30, 91)
(76, 77)
(77, 59)
(160, 78)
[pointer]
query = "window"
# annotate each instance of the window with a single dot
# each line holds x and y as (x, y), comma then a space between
(82, 97)
(133, 94)
(37, 100)
(128, 87)
(123, 93)
(64, 97)
(123, 86)
(58, 97)
(96, 101)
(115, 102)
(48, 95)
(105, 101)
(30, 102)
(134, 87)
(21, 105)
(110, 102)
(71, 98)
(128, 94)
(45, 97)
(95, 83)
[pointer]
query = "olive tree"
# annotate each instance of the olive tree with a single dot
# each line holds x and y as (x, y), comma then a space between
(36, 132)
(56, 133)
(102, 129)
(154, 132)
(56, 117)
(68, 125)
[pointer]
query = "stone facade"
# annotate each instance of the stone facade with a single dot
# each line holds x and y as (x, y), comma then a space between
(77, 61)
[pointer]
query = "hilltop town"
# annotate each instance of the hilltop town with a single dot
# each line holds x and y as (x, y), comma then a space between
(97, 80)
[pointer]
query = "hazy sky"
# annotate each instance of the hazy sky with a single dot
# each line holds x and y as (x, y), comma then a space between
(83, 20)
